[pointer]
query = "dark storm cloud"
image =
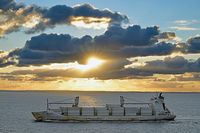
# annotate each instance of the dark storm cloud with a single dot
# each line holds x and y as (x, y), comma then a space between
(49, 48)
(131, 36)
(53, 48)
(113, 44)
(175, 65)
(133, 41)
(9, 4)
(161, 48)
(55, 42)
(194, 45)
(35, 19)
(62, 14)
(87, 10)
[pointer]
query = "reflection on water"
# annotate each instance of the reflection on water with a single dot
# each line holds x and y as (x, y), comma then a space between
(88, 101)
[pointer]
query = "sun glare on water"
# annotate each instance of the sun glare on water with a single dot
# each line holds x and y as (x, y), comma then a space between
(92, 63)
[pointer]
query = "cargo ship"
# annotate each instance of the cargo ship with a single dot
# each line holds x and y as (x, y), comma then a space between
(154, 110)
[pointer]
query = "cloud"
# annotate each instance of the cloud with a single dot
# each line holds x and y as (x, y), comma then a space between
(161, 48)
(114, 46)
(184, 28)
(111, 69)
(193, 44)
(185, 25)
(170, 65)
(114, 69)
(115, 43)
(186, 77)
(166, 35)
(131, 36)
(47, 72)
(53, 48)
(14, 18)
(10, 5)
(9, 58)
(35, 19)
(84, 15)
(185, 22)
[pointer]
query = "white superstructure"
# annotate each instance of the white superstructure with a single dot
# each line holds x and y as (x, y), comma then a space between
(153, 110)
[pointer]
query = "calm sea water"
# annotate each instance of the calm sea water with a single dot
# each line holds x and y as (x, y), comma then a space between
(16, 108)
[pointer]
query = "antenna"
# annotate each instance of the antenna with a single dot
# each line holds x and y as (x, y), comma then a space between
(47, 104)
(121, 101)
(76, 101)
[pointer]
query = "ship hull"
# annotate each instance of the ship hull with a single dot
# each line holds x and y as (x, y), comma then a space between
(53, 116)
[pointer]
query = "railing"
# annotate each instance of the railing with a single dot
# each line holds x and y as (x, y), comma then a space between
(60, 103)
(137, 103)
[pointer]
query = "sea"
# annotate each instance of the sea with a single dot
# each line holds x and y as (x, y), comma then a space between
(16, 108)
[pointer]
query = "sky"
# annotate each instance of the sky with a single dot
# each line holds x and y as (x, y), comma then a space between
(100, 45)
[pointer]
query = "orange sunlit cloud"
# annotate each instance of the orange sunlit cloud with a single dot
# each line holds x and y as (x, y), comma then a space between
(90, 22)
(158, 82)
(82, 84)
(92, 63)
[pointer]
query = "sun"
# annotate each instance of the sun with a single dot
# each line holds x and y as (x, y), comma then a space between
(92, 63)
